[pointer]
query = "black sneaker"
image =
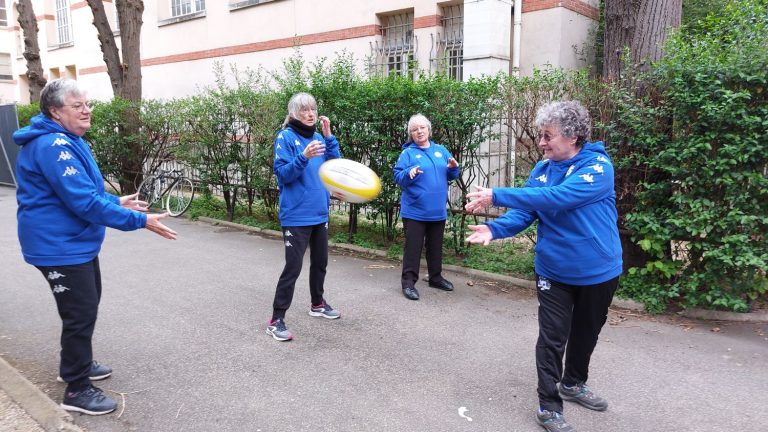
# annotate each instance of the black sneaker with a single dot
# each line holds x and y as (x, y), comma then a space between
(277, 329)
(98, 372)
(90, 401)
(582, 395)
(553, 421)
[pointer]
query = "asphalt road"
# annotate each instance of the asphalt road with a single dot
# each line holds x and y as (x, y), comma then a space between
(182, 324)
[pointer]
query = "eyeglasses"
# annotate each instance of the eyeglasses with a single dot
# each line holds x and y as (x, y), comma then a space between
(546, 137)
(82, 107)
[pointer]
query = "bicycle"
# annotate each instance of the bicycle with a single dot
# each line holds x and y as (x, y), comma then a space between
(172, 189)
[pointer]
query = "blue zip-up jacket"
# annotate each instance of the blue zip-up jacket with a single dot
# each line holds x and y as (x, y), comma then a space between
(63, 208)
(424, 196)
(304, 200)
(574, 200)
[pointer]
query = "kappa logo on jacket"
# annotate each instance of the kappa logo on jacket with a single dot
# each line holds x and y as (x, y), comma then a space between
(598, 168)
(60, 142)
(64, 155)
(542, 178)
(588, 178)
(570, 170)
(70, 171)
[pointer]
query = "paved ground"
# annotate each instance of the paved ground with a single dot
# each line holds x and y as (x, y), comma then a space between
(182, 323)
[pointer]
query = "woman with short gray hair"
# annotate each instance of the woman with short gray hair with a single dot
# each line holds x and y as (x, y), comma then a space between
(62, 215)
(578, 253)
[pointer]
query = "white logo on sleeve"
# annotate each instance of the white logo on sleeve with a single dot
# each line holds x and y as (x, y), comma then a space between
(602, 159)
(60, 142)
(588, 178)
(278, 147)
(297, 142)
(54, 275)
(59, 289)
(542, 178)
(70, 171)
(570, 170)
(64, 155)
(598, 168)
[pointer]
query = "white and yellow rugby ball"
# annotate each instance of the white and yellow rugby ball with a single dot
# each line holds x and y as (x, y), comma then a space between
(351, 181)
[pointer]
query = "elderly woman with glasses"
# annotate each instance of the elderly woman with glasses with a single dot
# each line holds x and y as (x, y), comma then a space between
(62, 214)
(423, 171)
(578, 253)
(304, 202)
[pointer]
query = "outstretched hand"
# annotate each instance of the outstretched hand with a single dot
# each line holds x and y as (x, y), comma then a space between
(157, 227)
(481, 199)
(482, 234)
(325, 126)
(132, 202)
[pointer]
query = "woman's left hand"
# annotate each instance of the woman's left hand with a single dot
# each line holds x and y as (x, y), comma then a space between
(452, 163)
(480, 199)
(325, 126)
(130, 202)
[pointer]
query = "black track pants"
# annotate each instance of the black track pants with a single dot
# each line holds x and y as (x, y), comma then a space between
(570, 320)
(417, 234)
(77, 290)
(296, 240)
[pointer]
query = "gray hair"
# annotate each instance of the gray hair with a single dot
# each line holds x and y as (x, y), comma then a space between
(418, 118)
(297, 103)
(570, 117)
(55, 92)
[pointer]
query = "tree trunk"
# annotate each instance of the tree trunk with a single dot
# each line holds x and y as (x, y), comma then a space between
(125, 76)
(28, 24)
(641, 26)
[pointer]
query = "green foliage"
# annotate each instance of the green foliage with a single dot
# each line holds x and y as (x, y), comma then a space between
(26, 112)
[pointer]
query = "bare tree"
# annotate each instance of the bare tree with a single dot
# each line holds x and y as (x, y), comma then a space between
(641, 26)
(28, 24)
(125, 77)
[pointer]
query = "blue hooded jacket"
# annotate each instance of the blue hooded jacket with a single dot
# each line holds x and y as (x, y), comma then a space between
(63, 207)
(424, 196)
(304, 201)
(574, 200)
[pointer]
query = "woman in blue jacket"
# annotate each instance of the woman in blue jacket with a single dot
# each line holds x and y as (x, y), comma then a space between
(578, 253)
(62, 214)
(304, 202)
(423, 171)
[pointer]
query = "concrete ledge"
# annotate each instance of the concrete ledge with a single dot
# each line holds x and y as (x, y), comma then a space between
(49, 415)
(522, 283)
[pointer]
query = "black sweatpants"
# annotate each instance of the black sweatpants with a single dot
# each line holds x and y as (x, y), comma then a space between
(418, 234)
(570, 320)
(77, 290)
(296, 239)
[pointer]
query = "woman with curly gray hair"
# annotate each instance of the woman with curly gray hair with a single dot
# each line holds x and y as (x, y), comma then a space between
(578, 253)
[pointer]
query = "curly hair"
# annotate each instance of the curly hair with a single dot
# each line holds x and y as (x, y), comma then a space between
(570, 117)
(55, 92)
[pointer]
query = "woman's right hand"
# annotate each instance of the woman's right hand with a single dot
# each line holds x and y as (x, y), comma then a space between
(315, 148)
(482, 234)
(415, 171)
(157, 227)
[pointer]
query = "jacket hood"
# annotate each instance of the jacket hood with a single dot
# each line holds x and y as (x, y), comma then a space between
(39, 125)
(592, 150)
(414, 145)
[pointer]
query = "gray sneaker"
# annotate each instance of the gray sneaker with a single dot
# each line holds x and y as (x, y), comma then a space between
(324, 310)
(277, 329)
(98, 372)
(553, 421)
(582, 395)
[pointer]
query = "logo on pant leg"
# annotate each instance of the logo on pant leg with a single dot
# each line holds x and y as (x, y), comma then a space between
(543, 284)
(53, 275)
(59, 289)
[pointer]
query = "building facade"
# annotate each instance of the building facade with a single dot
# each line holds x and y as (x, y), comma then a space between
(182, 39)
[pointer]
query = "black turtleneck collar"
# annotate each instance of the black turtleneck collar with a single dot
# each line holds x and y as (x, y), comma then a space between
(300, 128)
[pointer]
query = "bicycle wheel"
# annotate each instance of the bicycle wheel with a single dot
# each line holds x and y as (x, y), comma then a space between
(180, 197)
(148, 190)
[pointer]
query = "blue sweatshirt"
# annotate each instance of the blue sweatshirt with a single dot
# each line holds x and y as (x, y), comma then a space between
(304, 200)
(63, 208)
(574, 200)
(424, 196)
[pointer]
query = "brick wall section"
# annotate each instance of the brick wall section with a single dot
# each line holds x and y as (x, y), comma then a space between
(331, 36)
(426, 21)
(577, 6)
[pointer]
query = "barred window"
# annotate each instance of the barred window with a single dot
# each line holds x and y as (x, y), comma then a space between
(448, 46)
(186, 7)
(3, 14)
(62, 22)
(5, 66)
(395, 53)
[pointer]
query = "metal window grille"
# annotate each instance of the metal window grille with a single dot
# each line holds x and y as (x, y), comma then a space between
(3, 14)
(396, 52)
(62, 21)
(186, 7)
(447, 54)
(5, 66)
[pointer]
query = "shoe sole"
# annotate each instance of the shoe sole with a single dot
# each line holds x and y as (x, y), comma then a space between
(440, 288)
(85, 411)
(320, 314)
(278, 338)
(93, 378)
(580, 402)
